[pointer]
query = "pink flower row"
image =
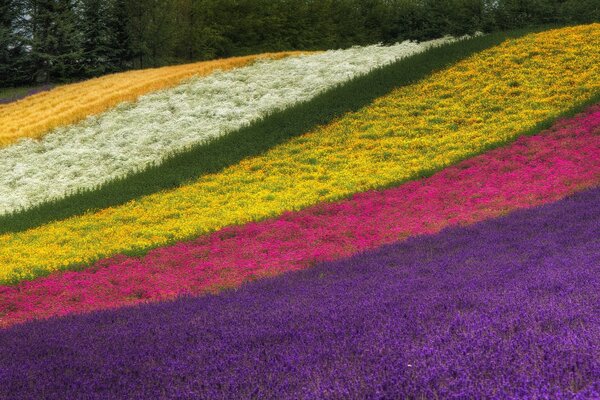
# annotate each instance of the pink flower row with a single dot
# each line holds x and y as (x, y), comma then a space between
(532, 171)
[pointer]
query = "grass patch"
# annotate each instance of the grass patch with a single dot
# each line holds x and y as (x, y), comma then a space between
(8, 95)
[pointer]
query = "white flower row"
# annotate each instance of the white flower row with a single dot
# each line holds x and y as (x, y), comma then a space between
(134, 135)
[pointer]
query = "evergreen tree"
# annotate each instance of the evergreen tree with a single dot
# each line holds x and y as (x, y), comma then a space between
(119, 36)
(153, 31)
(93, 25)
(55, 41)
(13, 55)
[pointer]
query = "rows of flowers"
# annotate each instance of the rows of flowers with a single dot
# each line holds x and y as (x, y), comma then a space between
(476, 104)
(437, 243)
(133, 136)
(532, 171)
(37, 115)
(507, 308)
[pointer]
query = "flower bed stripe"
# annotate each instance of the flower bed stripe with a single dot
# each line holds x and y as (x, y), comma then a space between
(36, 115)
(480, 103)
(256, 138)
(507, 308)
(132, 137)
(532, 171)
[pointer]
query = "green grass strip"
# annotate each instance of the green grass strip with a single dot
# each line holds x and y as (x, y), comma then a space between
(255, 139)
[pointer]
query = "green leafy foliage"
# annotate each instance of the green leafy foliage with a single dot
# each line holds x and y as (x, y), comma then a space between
(61, 40)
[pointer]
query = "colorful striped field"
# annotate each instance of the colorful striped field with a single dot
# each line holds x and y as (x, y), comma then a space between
(439, 241)
(504, 309)
(410, 132)
(532, 171)
(126, 139)
(38, 114)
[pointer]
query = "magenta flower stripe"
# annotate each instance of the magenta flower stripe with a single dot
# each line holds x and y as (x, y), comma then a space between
(532, 171)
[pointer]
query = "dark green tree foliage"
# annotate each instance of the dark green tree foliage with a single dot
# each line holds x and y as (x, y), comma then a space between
(56, 51)
(119, 39)
(71, 39)
(106, 42)
(580, 11)
(96, 57)
(12, 41)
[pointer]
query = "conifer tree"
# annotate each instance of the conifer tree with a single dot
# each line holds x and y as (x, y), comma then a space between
(119, 36)
(13, 57)
(55, 40)
(95, 37)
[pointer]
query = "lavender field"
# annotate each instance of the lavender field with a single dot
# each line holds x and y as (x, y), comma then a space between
(504, 308)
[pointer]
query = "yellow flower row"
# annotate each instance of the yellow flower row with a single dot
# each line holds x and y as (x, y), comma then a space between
(36, 115)
(485, 100)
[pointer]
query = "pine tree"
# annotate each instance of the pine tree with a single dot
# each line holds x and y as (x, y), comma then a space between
(7, 40)
(95, 37)
(55, 41)
(14, 62)
(119, 36)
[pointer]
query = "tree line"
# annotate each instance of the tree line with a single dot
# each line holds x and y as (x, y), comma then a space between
(62, 40)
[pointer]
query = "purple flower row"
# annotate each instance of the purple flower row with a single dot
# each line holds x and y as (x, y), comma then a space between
(506, 308)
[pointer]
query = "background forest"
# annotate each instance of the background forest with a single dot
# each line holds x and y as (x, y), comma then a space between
(63, 40)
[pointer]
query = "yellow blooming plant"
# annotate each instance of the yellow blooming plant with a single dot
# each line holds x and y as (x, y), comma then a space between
(483, 101)
(36, 115)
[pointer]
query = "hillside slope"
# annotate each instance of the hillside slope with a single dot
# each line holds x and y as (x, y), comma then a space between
(482, 102)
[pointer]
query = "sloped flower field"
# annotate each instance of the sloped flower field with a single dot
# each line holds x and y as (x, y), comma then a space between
(434, 235)
(532, 171)
(410, 132)
(36, 115)
(131, 137)
(506, 308)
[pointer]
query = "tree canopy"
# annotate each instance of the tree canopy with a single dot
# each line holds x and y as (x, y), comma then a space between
(62, 40)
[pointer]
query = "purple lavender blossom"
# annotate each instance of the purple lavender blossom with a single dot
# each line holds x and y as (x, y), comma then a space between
(507, 308)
